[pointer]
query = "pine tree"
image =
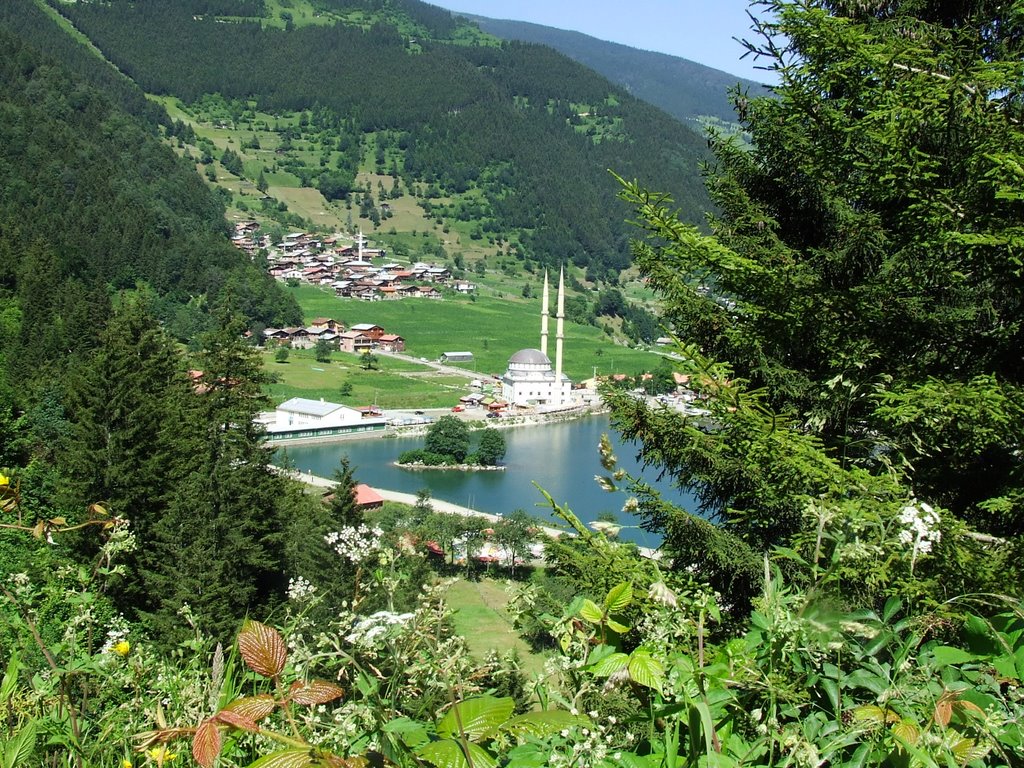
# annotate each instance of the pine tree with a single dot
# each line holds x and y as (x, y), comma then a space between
(856, 314)
(220, 546)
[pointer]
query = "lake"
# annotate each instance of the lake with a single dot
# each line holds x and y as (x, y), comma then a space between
(562, 458)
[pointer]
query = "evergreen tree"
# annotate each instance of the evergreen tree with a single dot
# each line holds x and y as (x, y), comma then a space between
(221, 544)
(855, 317)
(125, 407)
(309, 556)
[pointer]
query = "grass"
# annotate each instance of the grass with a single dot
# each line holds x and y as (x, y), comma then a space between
(492, 329)
(481, 618)
(398, 384)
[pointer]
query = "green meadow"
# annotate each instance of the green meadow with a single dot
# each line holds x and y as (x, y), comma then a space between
(493, 329)
(395, 384)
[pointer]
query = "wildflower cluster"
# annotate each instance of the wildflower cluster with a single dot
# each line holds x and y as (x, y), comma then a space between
(370, 628)
(299, 589)
(116, 643)
(356, 544)
(920, 529)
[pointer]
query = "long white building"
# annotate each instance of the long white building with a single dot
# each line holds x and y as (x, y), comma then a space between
(301, 418)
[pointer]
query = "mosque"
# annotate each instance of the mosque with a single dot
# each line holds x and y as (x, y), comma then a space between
(530, 380)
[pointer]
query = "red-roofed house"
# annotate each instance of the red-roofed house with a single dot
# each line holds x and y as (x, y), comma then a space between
(367, 498)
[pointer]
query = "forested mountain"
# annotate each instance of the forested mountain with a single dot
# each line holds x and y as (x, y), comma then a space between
(683, 88)
(534, 132)
(93, 202)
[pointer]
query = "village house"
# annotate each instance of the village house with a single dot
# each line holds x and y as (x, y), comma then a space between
(391, 342)
(355, 342)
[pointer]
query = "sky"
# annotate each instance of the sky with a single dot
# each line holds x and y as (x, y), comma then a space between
(699, 30)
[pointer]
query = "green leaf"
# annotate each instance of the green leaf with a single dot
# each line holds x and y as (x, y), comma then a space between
(645, 670)
(609, 665)
(947, 655)
(19, 749)
(892, 606)
(831, 689)
(615, 627)
(479, 717)
(528, 756)
(618, 598)
(10, 678)
(546, 723)
(285, 758)
(448, 753)
(412, 732)
(591, 612)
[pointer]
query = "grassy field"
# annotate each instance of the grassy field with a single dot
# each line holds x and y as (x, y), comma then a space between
(481, 618)
(492, 329)
(397, 384)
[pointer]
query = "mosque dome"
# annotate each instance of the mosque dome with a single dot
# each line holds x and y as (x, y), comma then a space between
(529, 357)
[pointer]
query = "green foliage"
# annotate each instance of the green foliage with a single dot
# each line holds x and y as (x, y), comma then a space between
(491, 447)
(448, 436)
(465, 117)
(848, 317)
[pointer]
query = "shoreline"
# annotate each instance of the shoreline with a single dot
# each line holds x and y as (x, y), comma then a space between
(474, 424)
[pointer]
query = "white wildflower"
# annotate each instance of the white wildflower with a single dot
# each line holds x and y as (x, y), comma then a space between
(920, 529)
(300, 589)
(356, 544)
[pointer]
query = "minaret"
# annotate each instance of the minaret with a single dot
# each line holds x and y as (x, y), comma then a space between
(360, 245)
(559, 332)
(544, 311)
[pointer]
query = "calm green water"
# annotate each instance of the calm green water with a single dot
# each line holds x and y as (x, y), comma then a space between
(561, 458)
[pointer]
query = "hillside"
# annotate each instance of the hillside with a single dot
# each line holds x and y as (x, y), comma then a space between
(523, 132)
(683, 88)
(94, 203)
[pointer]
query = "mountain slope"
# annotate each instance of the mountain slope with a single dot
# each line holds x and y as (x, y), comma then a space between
(92, 202)
(679, 86)
(529, 130)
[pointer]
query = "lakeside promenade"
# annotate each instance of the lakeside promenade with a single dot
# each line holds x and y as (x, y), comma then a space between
(437, 505)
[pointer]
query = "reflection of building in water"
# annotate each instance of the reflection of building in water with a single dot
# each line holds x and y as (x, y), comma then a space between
(529, 379)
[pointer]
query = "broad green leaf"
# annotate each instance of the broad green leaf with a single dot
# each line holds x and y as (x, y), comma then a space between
(947, 655)
(831, 689)
(531, 755)
(892, 606)
(19, 749)
(609, 665)
(479, 717)
(546, 723)
(262, 648)
(615, 627)
(285, 758)
(707, 726)
(618, 598)
(591, 612)
(412, 732)
(10, 678)
(645, 670)
(448, 753)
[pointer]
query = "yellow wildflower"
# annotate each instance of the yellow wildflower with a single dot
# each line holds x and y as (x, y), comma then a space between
(4, 480)
(161, 755)
(122, 648)
(126, 763)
